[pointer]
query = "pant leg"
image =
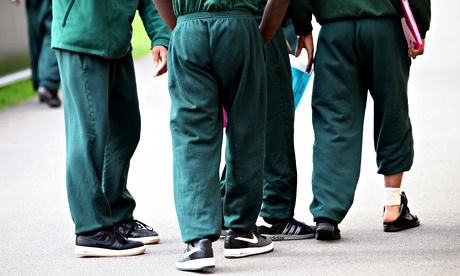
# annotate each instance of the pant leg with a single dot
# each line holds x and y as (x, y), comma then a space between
(44, 65)
(35, 38)
(280, 173)
(85, 87)
(245, 99)
(196, 132)
(388, 75)
(124, 134)
(338, 107)
(201, 79)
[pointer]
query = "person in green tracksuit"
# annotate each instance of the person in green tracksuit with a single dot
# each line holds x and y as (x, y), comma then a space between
(216, 57)
(43, 64)
(102, 119)
(361, 47)
(280, 172)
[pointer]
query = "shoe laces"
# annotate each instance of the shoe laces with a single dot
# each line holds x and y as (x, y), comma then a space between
(135, 224)
(119, 236)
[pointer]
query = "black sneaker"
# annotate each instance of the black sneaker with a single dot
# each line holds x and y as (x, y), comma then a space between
(106, 243)
(197, 256)
(54, 101)
(327, 229)
(44, 95)
(289, 229)
(250, 243)
(138, 231)
(405, 220)
(48, 97)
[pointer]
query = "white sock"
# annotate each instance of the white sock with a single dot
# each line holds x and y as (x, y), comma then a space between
(392, 196)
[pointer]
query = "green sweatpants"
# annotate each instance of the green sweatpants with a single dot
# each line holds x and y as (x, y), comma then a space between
(352, 58)
(280, 175)
(217, 58)
(102, 123)
(43, 62)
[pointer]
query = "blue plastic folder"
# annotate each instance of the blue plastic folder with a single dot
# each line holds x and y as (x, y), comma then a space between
(300, 79)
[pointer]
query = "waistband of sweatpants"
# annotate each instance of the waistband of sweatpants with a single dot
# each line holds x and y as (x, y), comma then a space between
(215, 14)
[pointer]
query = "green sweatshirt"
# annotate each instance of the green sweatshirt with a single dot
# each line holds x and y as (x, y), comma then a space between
(104, 28)
(332, 10)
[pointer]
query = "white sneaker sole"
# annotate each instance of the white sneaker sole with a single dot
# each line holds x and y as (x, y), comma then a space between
(86, 251)
(198, 264)
(245, 252)
(281, 237)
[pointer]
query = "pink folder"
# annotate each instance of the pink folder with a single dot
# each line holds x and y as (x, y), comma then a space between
(410, 26)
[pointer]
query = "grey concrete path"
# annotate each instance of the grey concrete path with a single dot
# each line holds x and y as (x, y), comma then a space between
(36, 231)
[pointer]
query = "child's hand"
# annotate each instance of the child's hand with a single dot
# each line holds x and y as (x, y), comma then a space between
(306, 42)
(160, 56)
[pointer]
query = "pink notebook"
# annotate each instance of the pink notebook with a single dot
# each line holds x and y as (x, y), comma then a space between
(410, 26)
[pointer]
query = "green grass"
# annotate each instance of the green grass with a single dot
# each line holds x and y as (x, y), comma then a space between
(21, 91)
(16, 93)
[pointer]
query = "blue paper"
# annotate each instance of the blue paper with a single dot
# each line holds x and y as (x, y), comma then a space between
(300, 81)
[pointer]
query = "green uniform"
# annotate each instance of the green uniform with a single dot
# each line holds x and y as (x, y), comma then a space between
(216, 58)
(102, 120)
(43, 62)
(361, 47)
(280, 173)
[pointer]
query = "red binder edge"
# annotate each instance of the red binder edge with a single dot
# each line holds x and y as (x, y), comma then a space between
(411, 26)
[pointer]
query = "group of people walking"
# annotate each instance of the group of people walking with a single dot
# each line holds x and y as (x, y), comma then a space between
(232, 56)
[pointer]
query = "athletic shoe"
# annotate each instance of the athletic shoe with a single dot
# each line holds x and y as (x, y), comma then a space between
(327, 229)
(250, 243)
(223, 231)
(289, 229)
(46, 96)
(43, 94)
(138, 231)
(107, 242)
(405, 220)
(197, 256)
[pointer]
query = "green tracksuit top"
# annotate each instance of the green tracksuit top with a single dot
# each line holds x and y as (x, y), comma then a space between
(104, 28)
(182, 7)
(332, 10)
(299, 13)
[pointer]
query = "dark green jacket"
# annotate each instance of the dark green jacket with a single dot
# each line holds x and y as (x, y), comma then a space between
(332, 10)
(104, 28)
(298, 11)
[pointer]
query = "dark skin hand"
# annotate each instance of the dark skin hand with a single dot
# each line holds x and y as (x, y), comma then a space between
(306, 42)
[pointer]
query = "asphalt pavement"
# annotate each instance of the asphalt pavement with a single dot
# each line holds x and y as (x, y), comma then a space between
(36, 230)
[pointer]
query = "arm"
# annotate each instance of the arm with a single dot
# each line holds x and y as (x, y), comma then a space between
(422, 14)
(271, 20)
(166, 11)
(300, 13)
(158, 33)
